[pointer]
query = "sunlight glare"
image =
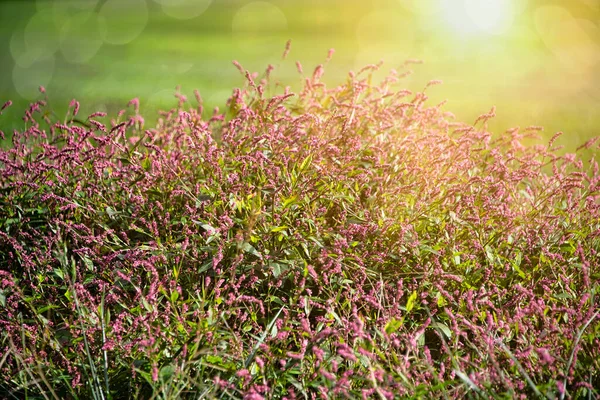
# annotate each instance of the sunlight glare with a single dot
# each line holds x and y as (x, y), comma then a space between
(479, 16)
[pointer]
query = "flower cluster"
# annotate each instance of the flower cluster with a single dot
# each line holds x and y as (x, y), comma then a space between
(347, 242)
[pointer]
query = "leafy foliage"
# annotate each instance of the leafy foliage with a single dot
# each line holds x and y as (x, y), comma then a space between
(338, 242)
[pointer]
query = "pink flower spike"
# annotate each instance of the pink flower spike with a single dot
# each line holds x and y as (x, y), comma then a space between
(135, 102)
(75, 104)
(242, 373)
(330, 54)
(239, 67)
(5, 106)
(97, 114)
(434, 83)
(288, 47)
(154, 373)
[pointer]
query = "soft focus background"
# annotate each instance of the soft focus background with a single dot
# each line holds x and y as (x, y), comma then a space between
(538, 61)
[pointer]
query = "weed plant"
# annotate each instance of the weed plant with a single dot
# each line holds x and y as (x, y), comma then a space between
(347, 242)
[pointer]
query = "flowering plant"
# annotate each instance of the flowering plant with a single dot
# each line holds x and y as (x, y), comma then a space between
(337, 242)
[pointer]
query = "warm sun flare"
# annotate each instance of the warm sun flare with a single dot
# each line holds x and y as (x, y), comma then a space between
(478, 16)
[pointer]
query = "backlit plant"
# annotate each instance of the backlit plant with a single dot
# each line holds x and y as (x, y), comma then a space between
(347, 242)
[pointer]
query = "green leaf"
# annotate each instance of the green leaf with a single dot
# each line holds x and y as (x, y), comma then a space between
(335, 316)
(146, 305)
(60, 273)
(276, 300)
(248, 248)
(279, 228)
(111, 212)
(306, 251)
(428, 249)
(305, 162)
(88, 263)
(489, 252)
(277, 268)
(518, 270)
(563, 295)
(166, 372)
(393, 325)
(42, 309)
(216, 360)
(442, 327)
(208, 228)
(316, 241)
(274, 331)
(73, 270)
(288, 202)
(456, 259)
(10, 221)
(206, 266)
(146, 163)
(410, 304)
(441, 301)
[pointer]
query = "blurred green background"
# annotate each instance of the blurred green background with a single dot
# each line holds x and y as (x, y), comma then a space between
(537, 61)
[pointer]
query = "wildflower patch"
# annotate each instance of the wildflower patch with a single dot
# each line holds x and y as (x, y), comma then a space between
(346, 242)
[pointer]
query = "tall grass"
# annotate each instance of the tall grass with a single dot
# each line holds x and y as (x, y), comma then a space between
(347, 242)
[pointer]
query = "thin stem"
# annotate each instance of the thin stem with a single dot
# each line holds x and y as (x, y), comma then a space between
(574, 351)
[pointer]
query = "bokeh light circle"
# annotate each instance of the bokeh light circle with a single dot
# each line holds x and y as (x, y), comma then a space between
(184, 9)
(125, 20)
(475, 17)
(257, 28)
(421, 7)
(36, 39)
(491, 16)
(568, 38)
(27, 80)
(82, 36)
(18, 49)
(63, 10)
